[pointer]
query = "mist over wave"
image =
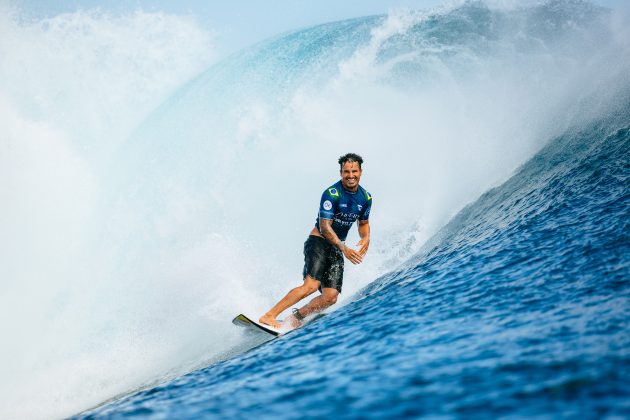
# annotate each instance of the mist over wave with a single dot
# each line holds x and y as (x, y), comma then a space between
(132, 237)
(72, 88)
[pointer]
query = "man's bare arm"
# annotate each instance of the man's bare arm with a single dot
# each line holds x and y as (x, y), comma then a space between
(364, 233)
(325, 226)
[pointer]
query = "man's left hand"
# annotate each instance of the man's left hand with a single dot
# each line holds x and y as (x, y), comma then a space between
(363, 245)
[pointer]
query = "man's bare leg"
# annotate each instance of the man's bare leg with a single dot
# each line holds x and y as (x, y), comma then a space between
(321, 302)
(294, 296)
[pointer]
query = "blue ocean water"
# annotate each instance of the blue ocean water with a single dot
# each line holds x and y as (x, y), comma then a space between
(519, 306)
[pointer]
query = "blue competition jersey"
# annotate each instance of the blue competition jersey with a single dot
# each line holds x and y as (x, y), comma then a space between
(344, 208)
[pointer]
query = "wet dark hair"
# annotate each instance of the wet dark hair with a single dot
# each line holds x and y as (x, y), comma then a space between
(350, 157)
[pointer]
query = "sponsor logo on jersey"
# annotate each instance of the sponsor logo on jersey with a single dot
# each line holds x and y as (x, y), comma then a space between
(327, 205)
(359, 206)
(345, 219)
(343, 205)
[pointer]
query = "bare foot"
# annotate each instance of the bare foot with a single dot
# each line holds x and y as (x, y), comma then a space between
(269, 320)
(292, 322)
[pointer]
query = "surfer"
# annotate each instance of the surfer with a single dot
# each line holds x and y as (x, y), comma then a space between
(340, 206)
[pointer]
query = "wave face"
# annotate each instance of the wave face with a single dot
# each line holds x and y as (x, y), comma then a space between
(519, 305)
(181, 218)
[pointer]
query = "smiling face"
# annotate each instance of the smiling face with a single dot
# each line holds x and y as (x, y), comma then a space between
(350, 175)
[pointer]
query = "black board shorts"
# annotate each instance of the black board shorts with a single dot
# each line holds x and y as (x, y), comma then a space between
(323, 262)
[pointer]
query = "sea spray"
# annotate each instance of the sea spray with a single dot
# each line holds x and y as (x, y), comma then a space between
(72, 87)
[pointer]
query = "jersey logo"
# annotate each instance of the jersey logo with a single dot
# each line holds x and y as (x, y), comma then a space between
(333, 192)
(368, 196)
(327, 205)
(359, 206)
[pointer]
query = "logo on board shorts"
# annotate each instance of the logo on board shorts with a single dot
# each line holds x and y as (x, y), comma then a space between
(327, 205)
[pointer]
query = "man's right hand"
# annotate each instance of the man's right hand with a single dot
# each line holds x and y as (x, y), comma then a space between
(327, 232)
(352, 255)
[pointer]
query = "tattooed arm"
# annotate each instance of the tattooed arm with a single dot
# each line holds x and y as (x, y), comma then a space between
(327, 231)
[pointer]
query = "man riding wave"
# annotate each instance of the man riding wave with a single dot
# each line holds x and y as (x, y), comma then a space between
(340, 206)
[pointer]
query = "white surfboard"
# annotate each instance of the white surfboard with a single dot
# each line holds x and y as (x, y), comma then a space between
(242, 320)
(246, 322)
